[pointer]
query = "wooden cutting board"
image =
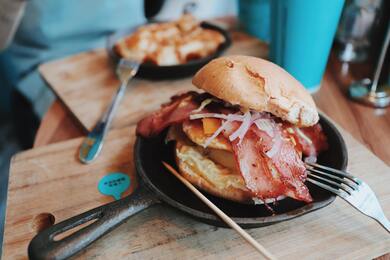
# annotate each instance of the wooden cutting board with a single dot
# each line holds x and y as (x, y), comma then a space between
(86, 82)
(50, 180)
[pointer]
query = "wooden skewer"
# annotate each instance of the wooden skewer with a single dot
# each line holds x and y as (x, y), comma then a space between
(221, 214)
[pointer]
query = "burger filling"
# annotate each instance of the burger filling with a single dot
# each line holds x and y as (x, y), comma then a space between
(267, 152)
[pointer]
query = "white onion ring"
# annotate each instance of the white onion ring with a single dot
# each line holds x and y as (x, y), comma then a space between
(301, 134)
(261, 120)
(202, 105)
(205, 115)
(265, 125)
(275, 146)
(241, 131)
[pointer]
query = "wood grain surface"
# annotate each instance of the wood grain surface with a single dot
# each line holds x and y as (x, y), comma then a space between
(367, 125)
(85, 83)
(51, 180)
(58, 124)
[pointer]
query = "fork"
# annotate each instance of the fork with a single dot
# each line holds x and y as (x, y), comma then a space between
(353, 190)
(93, 143)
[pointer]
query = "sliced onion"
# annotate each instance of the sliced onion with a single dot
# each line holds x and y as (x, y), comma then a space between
(235, 117)
(275, 146)
(262, 121)
(216, 133)
(258, 115)
(265, 125)
(230, 117)
(241, 131)
(204, 115)
(301, 134)
(203, 105)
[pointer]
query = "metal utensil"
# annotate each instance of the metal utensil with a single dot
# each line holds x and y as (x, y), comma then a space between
(367, 92)
(351, 189)
(93, 144)
(356, 29)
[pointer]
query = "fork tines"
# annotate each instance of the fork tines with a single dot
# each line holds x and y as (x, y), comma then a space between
(333, 180)
(353, 190)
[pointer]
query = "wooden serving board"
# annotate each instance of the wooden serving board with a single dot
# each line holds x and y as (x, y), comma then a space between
(86, 82)
(50, 180)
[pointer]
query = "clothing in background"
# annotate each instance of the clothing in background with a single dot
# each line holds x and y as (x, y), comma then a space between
(203, 9)
(48, 29)
(52, 29)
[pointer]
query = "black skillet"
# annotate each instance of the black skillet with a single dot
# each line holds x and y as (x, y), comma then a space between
(157, 184)
(153, 71)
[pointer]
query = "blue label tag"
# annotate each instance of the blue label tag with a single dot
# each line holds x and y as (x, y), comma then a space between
(114, 184)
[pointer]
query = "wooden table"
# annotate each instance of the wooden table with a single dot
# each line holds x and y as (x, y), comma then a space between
(369, 126)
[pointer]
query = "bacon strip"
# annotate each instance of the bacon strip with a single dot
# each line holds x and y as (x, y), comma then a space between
(292, 170)
(310, 140)
(289, 174)
(317, 137)
(283, 173)
(176, 111)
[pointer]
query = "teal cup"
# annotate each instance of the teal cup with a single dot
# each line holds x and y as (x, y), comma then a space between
(254, 16)
(302, 33)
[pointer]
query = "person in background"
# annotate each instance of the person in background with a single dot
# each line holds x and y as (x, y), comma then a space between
(35, 31)
(201, 9)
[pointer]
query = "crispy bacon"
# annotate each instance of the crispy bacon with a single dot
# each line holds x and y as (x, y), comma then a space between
(310, 140)
(267, 174)
(176, 111)
(317, 137)
(292, 170)
(289, 172)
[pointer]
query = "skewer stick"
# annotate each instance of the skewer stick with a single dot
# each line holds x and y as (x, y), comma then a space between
(221, 214)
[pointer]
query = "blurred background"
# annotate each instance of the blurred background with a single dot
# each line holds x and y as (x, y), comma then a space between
(36, 31)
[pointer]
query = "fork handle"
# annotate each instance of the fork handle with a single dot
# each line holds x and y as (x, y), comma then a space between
(93, 143)
(383, 221)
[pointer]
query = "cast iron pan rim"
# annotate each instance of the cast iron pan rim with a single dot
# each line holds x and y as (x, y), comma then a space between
(244, 222)
(197, 62)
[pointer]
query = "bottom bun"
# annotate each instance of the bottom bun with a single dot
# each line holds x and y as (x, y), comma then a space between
(209, 176)
(212, 177)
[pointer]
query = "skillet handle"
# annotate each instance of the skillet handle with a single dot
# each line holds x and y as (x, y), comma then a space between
(107, 217)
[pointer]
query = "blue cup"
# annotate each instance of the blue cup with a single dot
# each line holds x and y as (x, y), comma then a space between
(254, 16)
(302, 33)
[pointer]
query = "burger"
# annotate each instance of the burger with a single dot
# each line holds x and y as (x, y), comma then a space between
(247, 136)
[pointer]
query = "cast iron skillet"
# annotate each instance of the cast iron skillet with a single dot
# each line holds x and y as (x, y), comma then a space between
(148, 154)
(152, 71)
